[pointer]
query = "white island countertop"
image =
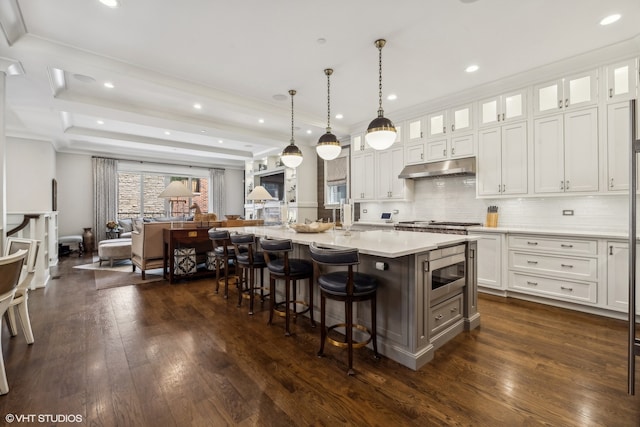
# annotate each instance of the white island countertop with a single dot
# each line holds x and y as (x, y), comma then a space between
(382, 243)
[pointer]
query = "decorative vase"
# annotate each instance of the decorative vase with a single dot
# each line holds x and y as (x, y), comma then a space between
(88, 240)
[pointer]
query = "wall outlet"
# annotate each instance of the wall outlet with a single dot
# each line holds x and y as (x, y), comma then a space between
(364, 211)
(567, 212)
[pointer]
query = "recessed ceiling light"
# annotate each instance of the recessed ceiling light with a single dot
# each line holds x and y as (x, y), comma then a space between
(203, 131)
(166, 132)
(392, 97)
(472, 68)
(339, 116)
(610, 19)
(110, 3)
(108, 85)
(321, 40)
(100, 122)
(308, 131)
(260, 120)
(220, 141)
(197, 106)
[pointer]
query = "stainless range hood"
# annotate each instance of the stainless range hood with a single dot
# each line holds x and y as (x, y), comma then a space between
(456, 167)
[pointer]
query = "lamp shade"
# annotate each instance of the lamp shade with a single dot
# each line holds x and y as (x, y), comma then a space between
(381, 133)
(259, 193)
(291, 156)
(176, 189)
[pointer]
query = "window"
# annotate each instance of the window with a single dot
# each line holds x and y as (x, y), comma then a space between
(335, 177)
(138, 195)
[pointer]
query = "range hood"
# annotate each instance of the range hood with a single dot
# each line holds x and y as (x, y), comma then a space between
(456, 167)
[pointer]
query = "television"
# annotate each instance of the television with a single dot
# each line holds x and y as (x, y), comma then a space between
(274, 184)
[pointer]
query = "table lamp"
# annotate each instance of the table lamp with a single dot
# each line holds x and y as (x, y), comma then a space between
(259, 194)
(173, 192)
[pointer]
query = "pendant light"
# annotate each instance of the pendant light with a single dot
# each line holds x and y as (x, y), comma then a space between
(381, 132)
(291, 156)
(328, 147)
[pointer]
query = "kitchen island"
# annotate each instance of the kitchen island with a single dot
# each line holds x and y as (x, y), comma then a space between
(427, 290)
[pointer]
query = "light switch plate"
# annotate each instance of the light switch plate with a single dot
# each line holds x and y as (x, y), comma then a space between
(567, 212)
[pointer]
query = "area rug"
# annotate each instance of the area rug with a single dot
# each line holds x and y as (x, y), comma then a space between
(120, 274)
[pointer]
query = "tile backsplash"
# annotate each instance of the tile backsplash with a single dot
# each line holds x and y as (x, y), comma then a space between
(454, 199)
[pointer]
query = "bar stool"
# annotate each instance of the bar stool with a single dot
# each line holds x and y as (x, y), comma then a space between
(347, 286)
(282, 267)
(249, 260)
(225, 254)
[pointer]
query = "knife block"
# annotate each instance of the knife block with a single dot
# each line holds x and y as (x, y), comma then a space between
(492, 219)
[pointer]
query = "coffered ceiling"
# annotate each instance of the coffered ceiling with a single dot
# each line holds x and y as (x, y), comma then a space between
(238, 59)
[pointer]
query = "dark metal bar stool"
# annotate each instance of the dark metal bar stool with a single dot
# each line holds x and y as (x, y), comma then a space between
(281, 267)
(347, 286)
(249, 260)
(225, 255)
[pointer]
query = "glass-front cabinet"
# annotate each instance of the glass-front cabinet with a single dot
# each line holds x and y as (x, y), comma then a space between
(578, 90)
(622, 81)
(503, 108)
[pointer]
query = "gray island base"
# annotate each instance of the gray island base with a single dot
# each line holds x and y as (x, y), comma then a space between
(427, 290)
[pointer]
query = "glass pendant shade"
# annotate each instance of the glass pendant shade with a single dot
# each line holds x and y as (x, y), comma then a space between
(291, 156)
(328, 147)
(381, 133)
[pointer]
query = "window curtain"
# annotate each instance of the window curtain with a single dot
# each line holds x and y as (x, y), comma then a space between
(337, 171)
(218, 193)
(105, 195)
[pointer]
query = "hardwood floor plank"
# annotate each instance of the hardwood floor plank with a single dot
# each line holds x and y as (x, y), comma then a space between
(160, 354)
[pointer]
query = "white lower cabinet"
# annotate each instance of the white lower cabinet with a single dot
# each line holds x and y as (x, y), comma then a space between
(490, 259)
(561, 268)
(618, 276)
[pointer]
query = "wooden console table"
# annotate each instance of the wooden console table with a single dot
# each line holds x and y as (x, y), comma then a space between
(174, 238)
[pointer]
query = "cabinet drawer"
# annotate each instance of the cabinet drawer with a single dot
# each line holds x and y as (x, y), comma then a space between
(563, 266)
(545, 244)
(555, 288)
(444, 314)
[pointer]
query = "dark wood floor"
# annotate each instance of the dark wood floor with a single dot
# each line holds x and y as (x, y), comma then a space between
(163, 355)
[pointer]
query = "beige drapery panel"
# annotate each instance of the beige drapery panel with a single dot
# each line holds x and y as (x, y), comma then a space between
(105, 195)
(337, 171)
(218, 192)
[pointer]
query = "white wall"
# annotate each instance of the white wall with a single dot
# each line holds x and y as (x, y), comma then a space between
(454, 199)
(75, 193)
(31, 167)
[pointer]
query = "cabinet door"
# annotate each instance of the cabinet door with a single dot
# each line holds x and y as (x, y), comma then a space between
(362, 174)
(548, 154)
(358, 143)
(548, 97)
(618, 276)
(514, 158)
(490, 260)
(581, 150)
(396, 185)
(514, 106)
(415, 128)
(415, 153)
(489, 111)
(461, 118)
(462, 146)
(621, 81)
(437, 124)
(489, 162)
(581, 89)
(618, 140)
(436, 150)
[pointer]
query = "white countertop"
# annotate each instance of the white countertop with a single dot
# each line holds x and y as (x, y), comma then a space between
(576, 232)
(383, 243)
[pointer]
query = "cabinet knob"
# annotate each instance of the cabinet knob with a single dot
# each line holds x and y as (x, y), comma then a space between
(611, 250)
(453, 127)
(611, 183)
(503, 117)
(498, 118)
(453, 151)
(439, 317)
(504, 187)
(560, 103)
(611, 93)
(562, 185)
(566, 185)
(566, 102)
(444, 129)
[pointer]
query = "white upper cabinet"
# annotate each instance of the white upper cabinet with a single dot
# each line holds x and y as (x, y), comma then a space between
(390, 163)
(503, 108)
(566, 152)
(363, 177)
(618, 146)
(453, 120)
(416, 129)
(622, 81)
(358, 144)
(565, 93)
(502, 160)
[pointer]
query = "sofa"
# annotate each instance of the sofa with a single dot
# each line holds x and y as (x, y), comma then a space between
(147, 244)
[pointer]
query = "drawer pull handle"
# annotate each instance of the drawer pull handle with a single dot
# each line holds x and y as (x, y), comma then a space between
(566, 265)
(564, 288)
(532, 283)
(532, 262)
(532, 243)
(439, 317)
(566, 246)
(454, 309)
